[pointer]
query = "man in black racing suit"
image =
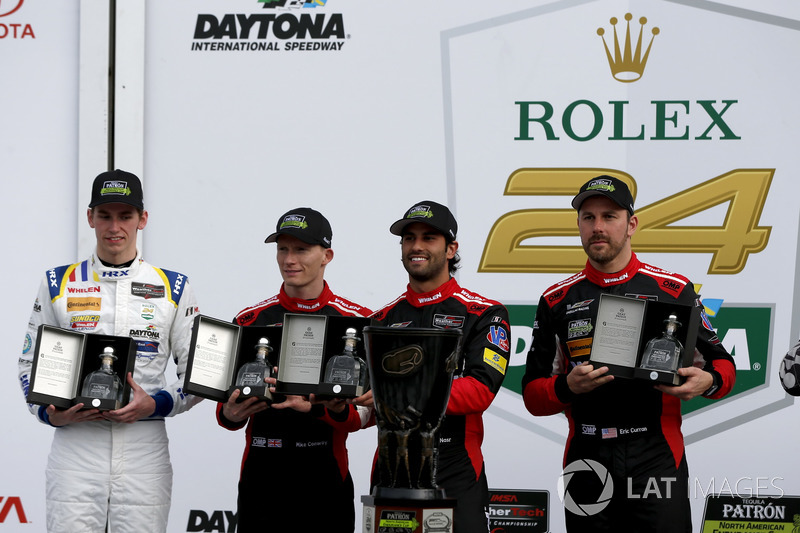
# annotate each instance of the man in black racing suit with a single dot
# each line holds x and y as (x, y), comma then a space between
(629, 428)
(434, 299)
(294, 474)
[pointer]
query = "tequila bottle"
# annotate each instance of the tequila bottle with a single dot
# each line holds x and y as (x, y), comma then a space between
(347, 368)
(104, 383)
(664, 352)
(252, 374)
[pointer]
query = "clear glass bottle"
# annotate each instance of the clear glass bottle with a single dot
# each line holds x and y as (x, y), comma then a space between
(252, 374)
(104, 383)
(347, 368)
(664, 351)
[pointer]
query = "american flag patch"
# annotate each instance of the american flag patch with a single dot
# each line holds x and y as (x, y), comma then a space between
(609, 433)
(274, 443)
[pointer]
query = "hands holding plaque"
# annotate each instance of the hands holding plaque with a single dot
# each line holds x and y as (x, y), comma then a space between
(305, 348)
(644, 339)
(66, 373)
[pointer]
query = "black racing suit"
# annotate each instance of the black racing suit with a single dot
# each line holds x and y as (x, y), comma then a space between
(294, 473)
(626, 425)
(480, 373)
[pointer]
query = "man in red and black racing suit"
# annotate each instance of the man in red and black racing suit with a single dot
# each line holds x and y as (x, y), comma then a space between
(294, 474)
(630, 427)
(435, 300)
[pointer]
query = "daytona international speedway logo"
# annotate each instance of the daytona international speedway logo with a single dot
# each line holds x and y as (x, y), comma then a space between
(280, 26)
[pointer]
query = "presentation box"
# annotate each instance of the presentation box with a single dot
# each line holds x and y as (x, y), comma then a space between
(64, 358)
(218, 350)
(308, 342)
(623, 328)
(300, 348)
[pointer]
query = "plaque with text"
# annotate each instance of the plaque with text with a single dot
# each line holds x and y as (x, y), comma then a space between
(56, 369)
(644, 339)
(618, 332)
(224, 356)
(212, 357)
(222, 352)
(301, 359)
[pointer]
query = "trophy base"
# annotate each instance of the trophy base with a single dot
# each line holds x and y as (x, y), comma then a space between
(664, 377)
(262, 392)
(96, 403)
(338, 390)
(402, 493)
(409, 515)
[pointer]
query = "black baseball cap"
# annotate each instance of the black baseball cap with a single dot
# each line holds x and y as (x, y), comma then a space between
(608, 186)
(433, 214)
(306, 224)
(119, 187)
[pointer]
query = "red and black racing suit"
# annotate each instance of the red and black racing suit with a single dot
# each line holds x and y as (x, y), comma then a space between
(626, 425)
(294, 473)
(480, 373)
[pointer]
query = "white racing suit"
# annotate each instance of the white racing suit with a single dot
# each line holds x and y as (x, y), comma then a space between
(106, 471)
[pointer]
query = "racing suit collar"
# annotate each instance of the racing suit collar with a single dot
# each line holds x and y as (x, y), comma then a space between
(110, 273)
(604, 279)
(298, 305)
(440, 293)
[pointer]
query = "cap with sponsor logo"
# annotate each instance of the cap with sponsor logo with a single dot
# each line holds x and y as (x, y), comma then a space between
(433, 214)
(119, 187)
(305, 224)
(608, 186)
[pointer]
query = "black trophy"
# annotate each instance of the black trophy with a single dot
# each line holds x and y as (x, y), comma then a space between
(411, 373)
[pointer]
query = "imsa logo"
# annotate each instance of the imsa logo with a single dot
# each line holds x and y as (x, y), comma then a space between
(11, 506)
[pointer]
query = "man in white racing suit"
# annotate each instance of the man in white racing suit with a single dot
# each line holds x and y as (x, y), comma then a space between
(111, 471)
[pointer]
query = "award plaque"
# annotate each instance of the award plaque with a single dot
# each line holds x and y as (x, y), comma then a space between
(71, 368)
(221, 352)
(224, 357)
(302, 345)
(57, 363)
(320, 355)
(411, 372)
(644, 339)
(618, 333)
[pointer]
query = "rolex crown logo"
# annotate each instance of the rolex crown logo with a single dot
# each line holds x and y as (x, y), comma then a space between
(627, 65)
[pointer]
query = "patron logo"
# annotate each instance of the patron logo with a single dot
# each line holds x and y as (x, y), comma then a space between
(83, 304)
(147, 290)
(579, 328)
